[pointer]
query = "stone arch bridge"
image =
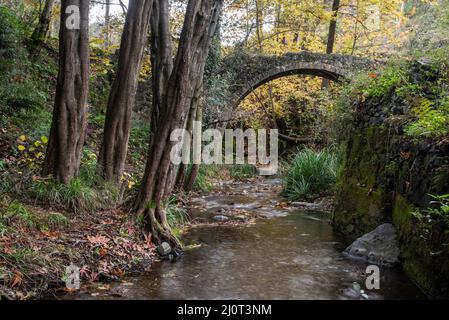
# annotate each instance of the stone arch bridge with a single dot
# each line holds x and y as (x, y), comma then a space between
(251, 71)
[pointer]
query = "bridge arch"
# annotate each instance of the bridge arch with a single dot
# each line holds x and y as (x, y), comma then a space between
(322, 70)
(252, 71)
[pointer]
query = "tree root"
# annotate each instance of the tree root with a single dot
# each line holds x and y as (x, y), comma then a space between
(160, 230)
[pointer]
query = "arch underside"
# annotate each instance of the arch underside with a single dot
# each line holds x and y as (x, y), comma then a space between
(324, 71)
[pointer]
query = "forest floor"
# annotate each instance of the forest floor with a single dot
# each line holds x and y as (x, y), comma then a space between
(105, 246)
(108, 246)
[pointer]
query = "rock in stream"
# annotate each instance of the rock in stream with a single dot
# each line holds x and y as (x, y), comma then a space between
(378, 247)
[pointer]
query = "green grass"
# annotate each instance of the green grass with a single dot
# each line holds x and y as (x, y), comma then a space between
(17, 212)
(206, 175)
(309, 174)
(78, 196)
(242, 171)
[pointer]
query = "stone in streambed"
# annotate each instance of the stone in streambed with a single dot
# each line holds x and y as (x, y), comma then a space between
(377, 247)
(220, 218)
(164, 249)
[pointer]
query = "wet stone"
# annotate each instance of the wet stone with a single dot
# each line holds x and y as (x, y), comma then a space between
(378, 247)
(221, 218)
(164, 249)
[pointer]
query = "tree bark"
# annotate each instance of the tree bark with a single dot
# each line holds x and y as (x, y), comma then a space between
(68, 128)
(122, 97)
(40, 32)
(195, 170)
(333, 27)
(199, 27)
(107, 23)
(182, 172)
(332, 35)
(161, 58)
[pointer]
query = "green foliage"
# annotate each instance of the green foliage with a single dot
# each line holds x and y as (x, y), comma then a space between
(390, 78)
(204, 180)
(176, 215)
(79, 195)
(138, 141)
(25, 85)
(425, 89)
(309, 173)
(430, 35)
(441, 211)
(431, 120)
(56, 220)
(242, 171)
(16, 211)
(11, 31)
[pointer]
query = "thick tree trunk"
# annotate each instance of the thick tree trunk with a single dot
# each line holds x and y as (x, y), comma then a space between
(122, 97)
(195, 170)
(196, 36)
(182, 172)
(40, 32)
(69, 115)
(161, 58)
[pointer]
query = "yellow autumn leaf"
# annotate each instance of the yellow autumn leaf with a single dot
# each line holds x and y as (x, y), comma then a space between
(44, 139)
(21, 148)
(22, 138)
(37, 143)
(39, 155)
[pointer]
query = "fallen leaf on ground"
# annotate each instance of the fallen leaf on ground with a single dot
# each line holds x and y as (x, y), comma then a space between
(98, 239)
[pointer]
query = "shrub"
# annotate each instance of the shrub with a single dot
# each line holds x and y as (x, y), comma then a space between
(309, 174)
(21, 80)
(421, 85)
(432, 119)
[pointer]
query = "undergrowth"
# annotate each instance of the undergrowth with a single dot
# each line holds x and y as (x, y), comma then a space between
(309, 174)
(422, 85)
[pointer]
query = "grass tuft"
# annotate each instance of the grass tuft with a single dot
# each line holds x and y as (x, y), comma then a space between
(309, 174)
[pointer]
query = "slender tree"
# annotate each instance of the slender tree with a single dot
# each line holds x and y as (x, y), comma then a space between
(41, 30)
(69, 114)
(332, 34)
(122, 97)
(107, 23)
(199, 27)
(333, 27)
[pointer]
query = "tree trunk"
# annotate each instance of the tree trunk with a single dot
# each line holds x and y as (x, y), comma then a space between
(161, 58)
(333, 27)
(199, 27)
(122, 97)
(259, 25)
(332, 34)
(41, 30)
(69, 115)
(182, 172)
(195, 170)
(107, 23)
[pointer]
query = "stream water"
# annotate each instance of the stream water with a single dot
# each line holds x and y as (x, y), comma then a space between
(284, 254)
